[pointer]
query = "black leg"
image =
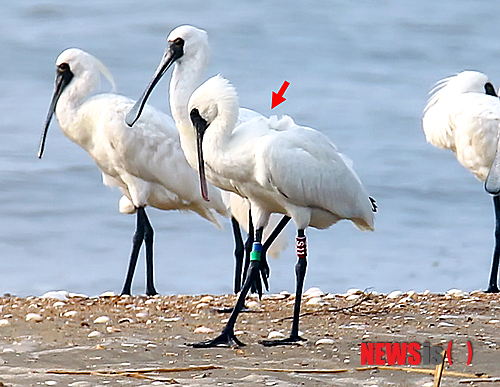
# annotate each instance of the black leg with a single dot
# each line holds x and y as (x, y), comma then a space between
(136, 246)
(148, 242)
(264, 267)
(248, 243)
(300, 273)
(238, 254)
(227, 337)
(493, 284)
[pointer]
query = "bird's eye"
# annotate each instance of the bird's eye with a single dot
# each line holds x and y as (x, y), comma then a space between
(179, 42)
(63, 67)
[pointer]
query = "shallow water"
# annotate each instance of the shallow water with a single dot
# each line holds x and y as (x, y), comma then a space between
(358, 71)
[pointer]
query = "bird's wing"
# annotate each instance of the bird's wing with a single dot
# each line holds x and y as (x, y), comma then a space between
(149, 154)
(474, 121)
(435, 121)
(305, 167)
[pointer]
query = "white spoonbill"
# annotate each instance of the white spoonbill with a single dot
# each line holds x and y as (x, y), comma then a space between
(280, 167)
(146, 162)
(188, 48)
(463, 115)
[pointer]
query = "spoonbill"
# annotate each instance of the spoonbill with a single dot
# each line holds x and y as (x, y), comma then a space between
(463, 115)
(282, 168)
(146, 163)
(188, 48)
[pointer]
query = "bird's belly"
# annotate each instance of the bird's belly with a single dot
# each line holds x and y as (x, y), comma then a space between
(322, 219)
(268, 201)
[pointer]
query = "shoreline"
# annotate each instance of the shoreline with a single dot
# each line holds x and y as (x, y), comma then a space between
(141, 340)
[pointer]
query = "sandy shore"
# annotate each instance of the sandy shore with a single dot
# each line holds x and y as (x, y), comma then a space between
(78, 341)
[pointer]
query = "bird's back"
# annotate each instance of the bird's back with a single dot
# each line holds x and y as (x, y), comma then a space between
(303, 166)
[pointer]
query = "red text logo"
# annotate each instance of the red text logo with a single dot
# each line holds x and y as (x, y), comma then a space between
(406, 353)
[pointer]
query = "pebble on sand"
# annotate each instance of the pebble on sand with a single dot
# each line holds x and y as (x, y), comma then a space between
(4, 322)
(253, 305)
(313, 292)
(94, 334)
(275, 335)
(77, 295)
(325, 342)
(126, 320)
(206, 299)
(34, 317)
(102, 320)
(456, 293)
(108, 294)
(395, 294)
(204, 330)
(316, 301)
(61, 295)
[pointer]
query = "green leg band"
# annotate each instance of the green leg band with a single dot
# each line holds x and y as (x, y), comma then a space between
(255, 256)
(256, 252)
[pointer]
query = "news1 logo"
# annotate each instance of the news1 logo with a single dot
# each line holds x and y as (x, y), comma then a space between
(406, 353)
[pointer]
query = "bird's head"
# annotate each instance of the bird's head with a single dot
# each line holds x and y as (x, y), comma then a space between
(212, 106)
(183, 43)
(74, 66)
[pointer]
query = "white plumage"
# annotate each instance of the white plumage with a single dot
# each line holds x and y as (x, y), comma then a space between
(188, 48)
(280, 167)
(460, 116)
(145, 162)
(463, 115)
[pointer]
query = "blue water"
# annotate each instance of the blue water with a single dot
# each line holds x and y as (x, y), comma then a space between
(358, 71)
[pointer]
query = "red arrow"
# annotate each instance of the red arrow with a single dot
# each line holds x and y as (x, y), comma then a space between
(278, 98)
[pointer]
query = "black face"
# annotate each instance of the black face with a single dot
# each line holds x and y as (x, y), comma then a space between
(198, 121)
(63, 78)
(177, 48)
(201, 125)
(490, 90)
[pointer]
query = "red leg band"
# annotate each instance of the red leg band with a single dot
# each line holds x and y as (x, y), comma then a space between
(301, 246)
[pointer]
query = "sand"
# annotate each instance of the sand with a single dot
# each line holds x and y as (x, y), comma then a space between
(141, 341)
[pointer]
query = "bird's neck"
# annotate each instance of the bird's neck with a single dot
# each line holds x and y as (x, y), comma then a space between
(70, 118)
(219, 145)
(185, 79)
